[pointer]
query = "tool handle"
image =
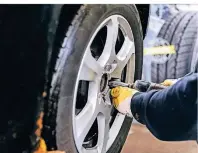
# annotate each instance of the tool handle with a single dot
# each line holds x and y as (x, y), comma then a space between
(155, 86)
(144, 86)
(141, 85)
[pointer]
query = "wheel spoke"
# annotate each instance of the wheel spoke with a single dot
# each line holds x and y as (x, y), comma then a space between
(103, 125)
(86, 73)
(127, 49)
(103, 133)
(85, 119)
(90, 68)
(123, 56)
(108, 53)
(91, 62)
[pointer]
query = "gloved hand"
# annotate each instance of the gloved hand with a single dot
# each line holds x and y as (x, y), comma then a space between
(169, 82)
(121, 97)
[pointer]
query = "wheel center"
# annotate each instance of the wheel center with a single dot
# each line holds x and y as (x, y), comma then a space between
(103, 82)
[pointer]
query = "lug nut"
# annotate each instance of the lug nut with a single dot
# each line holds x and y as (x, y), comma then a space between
(108, 67)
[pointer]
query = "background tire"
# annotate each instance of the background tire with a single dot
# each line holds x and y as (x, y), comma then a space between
(179, 30)
(68, 63)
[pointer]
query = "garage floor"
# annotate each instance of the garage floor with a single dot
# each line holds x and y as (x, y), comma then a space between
(140, 140)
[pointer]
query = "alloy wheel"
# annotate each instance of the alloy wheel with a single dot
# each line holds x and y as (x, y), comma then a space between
(94, 126)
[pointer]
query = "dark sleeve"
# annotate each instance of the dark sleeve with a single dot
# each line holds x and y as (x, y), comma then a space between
(170, 114)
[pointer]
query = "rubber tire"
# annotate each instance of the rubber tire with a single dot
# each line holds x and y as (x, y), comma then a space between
(68, 63)
(179, 30)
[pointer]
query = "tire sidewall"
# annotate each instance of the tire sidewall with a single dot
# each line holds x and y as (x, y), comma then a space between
(91, 17)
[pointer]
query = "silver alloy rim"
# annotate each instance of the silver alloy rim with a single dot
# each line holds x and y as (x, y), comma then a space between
(92, 70)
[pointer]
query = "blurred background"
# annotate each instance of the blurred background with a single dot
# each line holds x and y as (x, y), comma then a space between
(173, 30)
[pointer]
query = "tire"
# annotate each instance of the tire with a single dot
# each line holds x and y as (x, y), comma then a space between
(179, 30)
(67, 66)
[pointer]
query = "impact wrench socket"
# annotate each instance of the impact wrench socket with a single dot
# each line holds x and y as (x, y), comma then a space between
(140, 85)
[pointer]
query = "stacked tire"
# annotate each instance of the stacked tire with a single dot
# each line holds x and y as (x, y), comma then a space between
(179, 30)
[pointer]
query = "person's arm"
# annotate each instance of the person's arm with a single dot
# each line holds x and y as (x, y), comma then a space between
(170, 114)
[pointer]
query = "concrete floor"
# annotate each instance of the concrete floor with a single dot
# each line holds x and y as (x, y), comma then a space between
(140, 140)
